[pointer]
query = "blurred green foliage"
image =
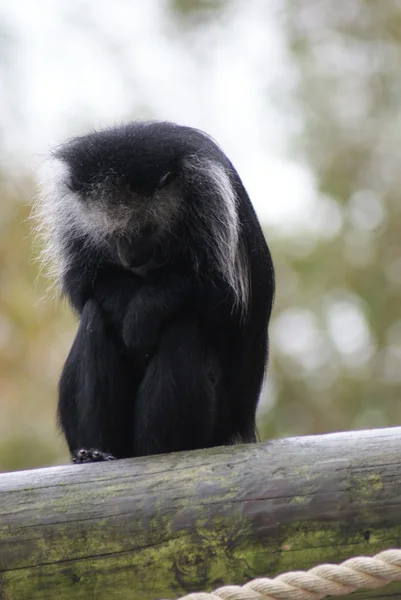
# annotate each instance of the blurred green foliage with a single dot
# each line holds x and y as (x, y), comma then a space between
(341, 288)
(196, 12)
(336, 331)
(35, 334)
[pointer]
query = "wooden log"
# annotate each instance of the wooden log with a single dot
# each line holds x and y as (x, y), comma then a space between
(159, 527)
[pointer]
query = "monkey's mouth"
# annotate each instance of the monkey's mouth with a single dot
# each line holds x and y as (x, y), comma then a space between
(135, 253)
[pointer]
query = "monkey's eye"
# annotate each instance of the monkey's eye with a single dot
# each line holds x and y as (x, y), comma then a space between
(166, 179)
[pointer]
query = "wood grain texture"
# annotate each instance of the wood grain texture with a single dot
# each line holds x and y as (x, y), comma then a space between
(159, 527)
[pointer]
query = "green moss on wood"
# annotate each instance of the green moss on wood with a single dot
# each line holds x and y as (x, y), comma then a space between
(164, 526)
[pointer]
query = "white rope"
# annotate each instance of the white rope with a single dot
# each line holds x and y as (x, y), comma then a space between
(319, 582)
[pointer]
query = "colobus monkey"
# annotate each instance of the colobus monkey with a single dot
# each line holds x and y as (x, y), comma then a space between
(159, 251)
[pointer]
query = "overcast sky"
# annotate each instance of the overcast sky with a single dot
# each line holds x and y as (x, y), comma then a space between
(71, 65)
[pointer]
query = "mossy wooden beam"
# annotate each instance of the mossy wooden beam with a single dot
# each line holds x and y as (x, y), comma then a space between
(151, 528)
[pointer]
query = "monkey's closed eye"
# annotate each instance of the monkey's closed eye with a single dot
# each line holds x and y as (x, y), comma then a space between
(73, 184)
(166, 179)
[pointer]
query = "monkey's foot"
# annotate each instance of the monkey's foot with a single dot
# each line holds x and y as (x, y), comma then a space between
(87, 455)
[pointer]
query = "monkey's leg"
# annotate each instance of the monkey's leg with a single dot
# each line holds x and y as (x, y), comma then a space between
(96, 399)
(176, 403)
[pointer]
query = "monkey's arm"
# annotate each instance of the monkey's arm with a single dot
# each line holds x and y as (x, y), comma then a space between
(67, 400)
(79, 276)
(95, 390)
(161, 299)
(137, 307)
(150, 307)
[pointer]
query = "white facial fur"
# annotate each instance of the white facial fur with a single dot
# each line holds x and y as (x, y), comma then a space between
(52, 216)
(60, 214)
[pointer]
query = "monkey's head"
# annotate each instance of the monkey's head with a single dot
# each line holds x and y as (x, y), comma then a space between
(138, 192)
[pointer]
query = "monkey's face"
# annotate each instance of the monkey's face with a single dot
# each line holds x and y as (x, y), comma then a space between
(138, 192)
(127, 221)
(129, 225)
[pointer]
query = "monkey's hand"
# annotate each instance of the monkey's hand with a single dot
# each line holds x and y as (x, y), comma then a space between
(138, 307)
(122, 297)
(87, 455)
(140, 330)
(152, 306)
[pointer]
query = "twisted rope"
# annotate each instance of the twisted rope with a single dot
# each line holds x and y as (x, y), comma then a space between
(319, 582)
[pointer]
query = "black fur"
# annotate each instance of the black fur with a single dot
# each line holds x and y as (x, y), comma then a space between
(168, 355)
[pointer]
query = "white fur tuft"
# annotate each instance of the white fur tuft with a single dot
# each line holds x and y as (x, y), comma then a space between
(53, 216)
(221, 227)
(60, 216)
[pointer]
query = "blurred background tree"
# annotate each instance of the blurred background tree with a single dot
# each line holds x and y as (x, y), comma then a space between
(337, 333)
(315, 82)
